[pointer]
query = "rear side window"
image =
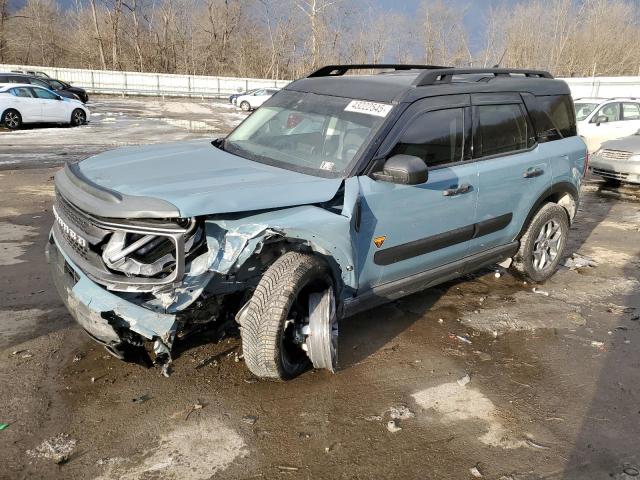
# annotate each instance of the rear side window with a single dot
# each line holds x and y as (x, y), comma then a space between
(22, 92)
(562, 114)
(436, 137)
(501, 129)
(631, 111)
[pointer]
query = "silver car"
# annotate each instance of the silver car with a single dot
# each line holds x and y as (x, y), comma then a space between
(618, 160)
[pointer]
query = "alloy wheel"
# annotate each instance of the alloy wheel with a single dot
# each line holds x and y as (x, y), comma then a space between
(547, 244)
(11, 120)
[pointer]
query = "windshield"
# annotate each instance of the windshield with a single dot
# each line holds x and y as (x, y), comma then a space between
(315, 134)
(583, 110)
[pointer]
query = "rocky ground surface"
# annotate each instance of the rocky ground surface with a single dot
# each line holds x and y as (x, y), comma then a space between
(483, 377)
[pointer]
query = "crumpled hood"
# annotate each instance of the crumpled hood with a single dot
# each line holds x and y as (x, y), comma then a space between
(200, 179)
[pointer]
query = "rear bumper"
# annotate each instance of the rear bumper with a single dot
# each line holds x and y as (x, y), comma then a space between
(104, 316)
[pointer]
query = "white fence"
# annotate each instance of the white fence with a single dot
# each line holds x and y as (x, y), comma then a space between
(160, 84)
(134, 83)
(606, 87)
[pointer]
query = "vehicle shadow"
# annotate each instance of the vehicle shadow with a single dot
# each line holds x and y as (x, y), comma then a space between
(606, 445)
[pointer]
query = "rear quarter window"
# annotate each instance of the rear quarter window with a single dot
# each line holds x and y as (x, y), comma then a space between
(552, 112)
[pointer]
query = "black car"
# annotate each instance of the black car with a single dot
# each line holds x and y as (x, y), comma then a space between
(61, 88)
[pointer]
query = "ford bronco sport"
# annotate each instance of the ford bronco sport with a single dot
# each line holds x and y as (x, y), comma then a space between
(341, 193)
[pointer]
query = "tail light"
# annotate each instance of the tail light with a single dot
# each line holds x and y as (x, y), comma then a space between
(586, 163)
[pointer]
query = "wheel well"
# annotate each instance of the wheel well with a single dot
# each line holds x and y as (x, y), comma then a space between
(564, 195)
(9, 110)
(270, 251)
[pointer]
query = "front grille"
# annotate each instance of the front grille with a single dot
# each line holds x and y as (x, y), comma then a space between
(615, 154)
(86, 239)
(609, 174)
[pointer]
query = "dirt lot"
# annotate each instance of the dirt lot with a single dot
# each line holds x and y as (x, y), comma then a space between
(482, 376)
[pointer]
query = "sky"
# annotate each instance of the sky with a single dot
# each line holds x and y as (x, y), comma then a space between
(474, 19)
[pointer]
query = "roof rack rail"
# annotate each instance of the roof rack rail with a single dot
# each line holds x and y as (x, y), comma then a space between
(433, 77)
(337, 70)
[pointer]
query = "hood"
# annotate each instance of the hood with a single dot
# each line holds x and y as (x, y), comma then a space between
(626, 144)
(72, 100)
(200, 179)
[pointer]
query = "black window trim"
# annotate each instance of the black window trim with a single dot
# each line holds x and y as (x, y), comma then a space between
(476, 124)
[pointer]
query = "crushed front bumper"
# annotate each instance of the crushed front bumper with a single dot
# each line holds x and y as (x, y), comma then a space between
(106, 317)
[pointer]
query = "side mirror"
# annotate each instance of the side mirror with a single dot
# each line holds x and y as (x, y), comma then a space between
(404, 170)
(601, 119)
(59, 97)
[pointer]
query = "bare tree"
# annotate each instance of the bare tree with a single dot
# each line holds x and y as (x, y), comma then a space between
(94, 12)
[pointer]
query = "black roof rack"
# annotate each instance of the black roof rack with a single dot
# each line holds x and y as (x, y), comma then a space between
(337, 70)
(444, 75)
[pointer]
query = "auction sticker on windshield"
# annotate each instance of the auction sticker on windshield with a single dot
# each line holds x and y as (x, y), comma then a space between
(369, 108)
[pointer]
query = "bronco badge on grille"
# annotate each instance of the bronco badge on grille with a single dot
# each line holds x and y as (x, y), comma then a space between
(73, 236)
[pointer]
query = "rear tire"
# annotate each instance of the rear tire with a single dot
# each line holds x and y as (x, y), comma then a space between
(275, 313)
(542, 245)
(12, 119)
(244, 106)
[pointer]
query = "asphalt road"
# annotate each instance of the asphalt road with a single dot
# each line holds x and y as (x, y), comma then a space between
(482, 373)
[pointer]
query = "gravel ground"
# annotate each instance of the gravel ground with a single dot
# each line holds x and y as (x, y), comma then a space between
(481, 376)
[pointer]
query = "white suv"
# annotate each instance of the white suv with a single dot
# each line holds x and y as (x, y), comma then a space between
(601, 119)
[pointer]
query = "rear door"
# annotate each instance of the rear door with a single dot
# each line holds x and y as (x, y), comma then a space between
(409, 229)
(28, 105)
(513, 171)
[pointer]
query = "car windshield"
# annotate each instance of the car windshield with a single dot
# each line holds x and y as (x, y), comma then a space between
(309, 133)
(583, 110)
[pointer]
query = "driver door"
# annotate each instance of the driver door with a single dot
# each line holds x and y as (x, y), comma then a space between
(53, 109)
(409, 229)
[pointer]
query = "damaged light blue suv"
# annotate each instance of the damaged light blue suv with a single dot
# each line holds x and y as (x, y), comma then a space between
(341, 193)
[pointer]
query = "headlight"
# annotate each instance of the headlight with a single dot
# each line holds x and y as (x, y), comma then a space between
(148, 254)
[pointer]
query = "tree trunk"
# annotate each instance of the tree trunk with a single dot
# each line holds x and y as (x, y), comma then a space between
(103, 60)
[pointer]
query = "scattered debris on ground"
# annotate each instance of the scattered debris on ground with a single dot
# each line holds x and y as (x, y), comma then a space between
(58, 448)
(393, 427)
(249, 419)
(577, 261)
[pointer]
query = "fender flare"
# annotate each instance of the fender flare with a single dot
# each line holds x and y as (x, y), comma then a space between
(557, 190)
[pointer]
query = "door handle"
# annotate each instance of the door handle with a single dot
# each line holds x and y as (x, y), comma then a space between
(457, 190)
(533, 172)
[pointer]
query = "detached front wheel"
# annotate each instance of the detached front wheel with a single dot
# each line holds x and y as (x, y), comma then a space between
(542, 245)
(290, 322)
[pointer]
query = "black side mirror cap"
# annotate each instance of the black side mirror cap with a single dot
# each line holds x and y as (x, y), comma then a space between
(404, 170)
(601, 119)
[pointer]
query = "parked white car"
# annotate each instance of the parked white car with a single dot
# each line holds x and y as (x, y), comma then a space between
(253, 100)
(22, 103)
(600, 119)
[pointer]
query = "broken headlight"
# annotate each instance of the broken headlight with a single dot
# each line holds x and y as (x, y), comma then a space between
(150, 254)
